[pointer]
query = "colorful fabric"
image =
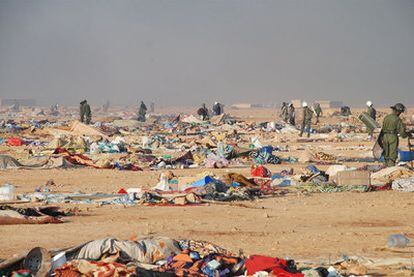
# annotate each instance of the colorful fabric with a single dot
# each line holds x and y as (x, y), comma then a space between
(279, 267)
(186, 264)
(264, 157)
(95, 269)
(204, 248)
(15, 142)
(243, 181)
(260, 171)
(78, 159)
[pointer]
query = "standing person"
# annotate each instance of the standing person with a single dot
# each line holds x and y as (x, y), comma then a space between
(203, 112)
(284, 112)
(371, 111)
(105, 106)
(54, 109)
(15, 107)
(306, 120)
(392, 126)
(291, 114)
(82, 111)
(318, 111)
(217, 108)
(373, 114)
(142, 112)
(345, 111)
(85, 112)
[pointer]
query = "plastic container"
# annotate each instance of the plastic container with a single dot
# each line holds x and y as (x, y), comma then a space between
(7, 193)
(406, 156)
(398, 240)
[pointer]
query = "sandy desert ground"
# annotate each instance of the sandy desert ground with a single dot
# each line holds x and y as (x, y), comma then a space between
(307, 227)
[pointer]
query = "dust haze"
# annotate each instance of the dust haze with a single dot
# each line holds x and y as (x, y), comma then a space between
(188, 52)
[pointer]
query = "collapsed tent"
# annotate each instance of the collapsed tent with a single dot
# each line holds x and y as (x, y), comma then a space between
(153, 256)
(40, 215)
(7, 162)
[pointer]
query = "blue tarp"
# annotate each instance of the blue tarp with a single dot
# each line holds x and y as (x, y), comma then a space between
(203, 181)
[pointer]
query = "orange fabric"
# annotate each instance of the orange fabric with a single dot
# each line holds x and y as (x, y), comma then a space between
(183, 258)
(14, 142)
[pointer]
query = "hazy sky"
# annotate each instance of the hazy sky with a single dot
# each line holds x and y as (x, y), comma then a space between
(187, 52)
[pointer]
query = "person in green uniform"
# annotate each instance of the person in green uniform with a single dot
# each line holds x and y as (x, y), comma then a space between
(392, 126)
(306, 119)
(88, 113)
(85, 112)
(318, 111)
(373, 114)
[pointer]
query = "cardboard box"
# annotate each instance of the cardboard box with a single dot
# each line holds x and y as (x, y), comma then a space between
(353, 178)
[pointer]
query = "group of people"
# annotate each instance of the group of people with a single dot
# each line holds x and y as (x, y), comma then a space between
(86, 113)
(392, 126)
(204, 114)
(288, 115)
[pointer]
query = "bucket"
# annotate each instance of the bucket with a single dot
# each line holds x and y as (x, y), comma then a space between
(37, 261)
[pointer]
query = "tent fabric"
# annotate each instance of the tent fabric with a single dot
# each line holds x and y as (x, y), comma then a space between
(10, 217)
(146, 250)
(7, 162)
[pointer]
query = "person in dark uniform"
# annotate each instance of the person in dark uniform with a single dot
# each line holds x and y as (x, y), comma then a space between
(217, 108)
(373, 114)
(142, 112)
(203, 112)
(345, 111)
